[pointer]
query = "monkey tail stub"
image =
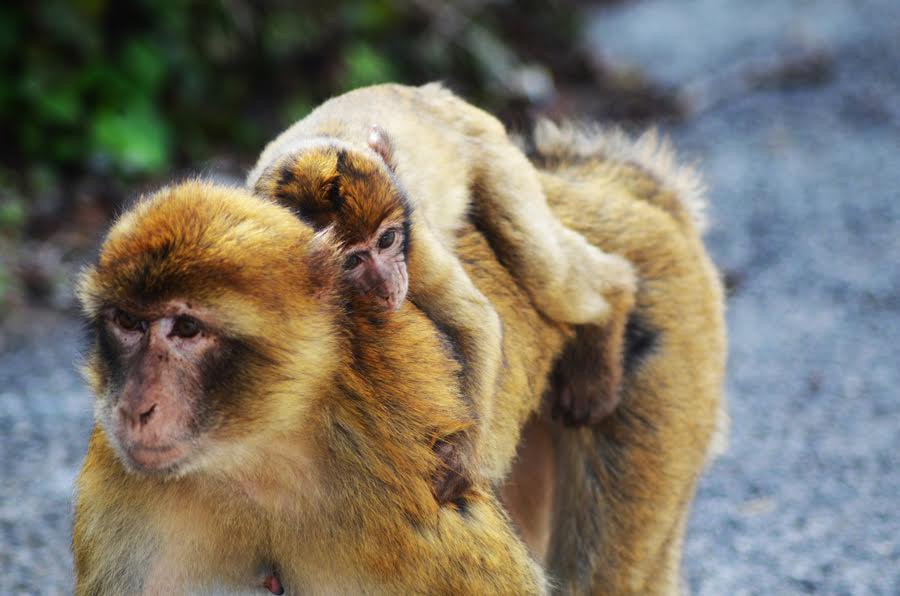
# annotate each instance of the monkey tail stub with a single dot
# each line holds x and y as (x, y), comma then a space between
(659, 178)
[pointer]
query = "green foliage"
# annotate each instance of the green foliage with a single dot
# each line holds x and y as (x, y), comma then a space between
(137, 139)
(12, 215)
(365, 66)
(13, 212)
(131, 89)
(134, 89)
(5, 283)
(99, 98)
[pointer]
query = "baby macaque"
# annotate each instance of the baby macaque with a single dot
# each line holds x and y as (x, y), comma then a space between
(366, 210)
(395, 171)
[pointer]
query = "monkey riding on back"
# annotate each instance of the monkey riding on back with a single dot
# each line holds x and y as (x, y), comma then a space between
(395, 172)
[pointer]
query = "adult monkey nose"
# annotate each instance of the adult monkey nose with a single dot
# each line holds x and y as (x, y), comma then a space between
(137, 414)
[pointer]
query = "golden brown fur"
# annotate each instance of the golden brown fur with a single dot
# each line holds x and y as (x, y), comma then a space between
(623, 489)
(446, 156)
(618, 505)
(344, 190)
(318, 467)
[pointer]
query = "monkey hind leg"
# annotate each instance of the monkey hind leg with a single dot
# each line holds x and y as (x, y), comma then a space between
(587, 285)
(588, 377)
(569, 279)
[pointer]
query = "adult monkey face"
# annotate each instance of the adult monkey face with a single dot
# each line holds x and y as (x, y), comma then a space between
(183, 341)
(165, 362)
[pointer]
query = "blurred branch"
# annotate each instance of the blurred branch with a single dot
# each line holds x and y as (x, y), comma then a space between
(516, 78)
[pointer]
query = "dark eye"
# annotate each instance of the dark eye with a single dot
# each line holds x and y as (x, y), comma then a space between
(352, 262)
(387, 239)
(128, 321)
(186, 327)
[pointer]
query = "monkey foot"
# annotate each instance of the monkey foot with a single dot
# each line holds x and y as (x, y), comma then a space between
(584, 404)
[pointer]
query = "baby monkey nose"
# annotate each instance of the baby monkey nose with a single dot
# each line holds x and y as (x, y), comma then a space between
(383, 291)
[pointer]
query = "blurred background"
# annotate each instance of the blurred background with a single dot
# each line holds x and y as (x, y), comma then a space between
(790, 108)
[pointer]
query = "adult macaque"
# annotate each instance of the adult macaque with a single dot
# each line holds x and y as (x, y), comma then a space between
(253, 433)
(389, 167)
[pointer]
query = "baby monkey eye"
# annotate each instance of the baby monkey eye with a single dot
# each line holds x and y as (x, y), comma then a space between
(186, 327)
(387, 239)
(128, 321)
(352, 262)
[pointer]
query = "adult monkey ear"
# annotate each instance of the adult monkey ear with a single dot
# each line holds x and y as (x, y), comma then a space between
(380, 143)
(324, 260)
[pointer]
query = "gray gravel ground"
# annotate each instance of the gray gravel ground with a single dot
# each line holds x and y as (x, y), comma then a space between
(806, 223)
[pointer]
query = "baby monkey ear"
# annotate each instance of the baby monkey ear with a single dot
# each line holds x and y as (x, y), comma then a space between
(380, 143)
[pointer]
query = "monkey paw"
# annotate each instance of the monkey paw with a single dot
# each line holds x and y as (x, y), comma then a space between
(451, 482)
(586, 385)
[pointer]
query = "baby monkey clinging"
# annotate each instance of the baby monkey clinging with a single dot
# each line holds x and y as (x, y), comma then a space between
(396, 171)
(366, 209)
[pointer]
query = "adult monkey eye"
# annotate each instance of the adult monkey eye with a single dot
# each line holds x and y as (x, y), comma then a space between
(128, 321)
(387, 239)
(352, 262)
(186, 327)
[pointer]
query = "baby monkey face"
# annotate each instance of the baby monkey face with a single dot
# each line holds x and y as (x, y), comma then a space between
(356, 195)
(376, 267)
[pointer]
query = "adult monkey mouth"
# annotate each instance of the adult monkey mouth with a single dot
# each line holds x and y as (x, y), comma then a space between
(156, 458)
